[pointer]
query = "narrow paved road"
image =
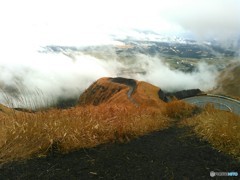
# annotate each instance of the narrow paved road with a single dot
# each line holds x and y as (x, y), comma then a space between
(131, 83)
(219, 102)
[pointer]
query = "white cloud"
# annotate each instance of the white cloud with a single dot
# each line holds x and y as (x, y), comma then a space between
(58, 76)
(75, 22)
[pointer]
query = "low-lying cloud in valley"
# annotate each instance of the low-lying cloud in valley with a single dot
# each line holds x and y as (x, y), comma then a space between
(56, 75)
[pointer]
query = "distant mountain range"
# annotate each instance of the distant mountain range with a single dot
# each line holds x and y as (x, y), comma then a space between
(183, 48)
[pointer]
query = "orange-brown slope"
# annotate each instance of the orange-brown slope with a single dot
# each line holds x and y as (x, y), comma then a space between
(229, 81)
(5, 109)
(147, 95)
(105, 90)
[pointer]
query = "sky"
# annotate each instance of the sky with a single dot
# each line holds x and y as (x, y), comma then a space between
(28, 25)
(83, 22)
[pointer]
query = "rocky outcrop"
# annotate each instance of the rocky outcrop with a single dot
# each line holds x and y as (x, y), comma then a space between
(162, 95)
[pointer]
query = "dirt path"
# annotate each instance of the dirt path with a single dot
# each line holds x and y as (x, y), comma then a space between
(173, 153)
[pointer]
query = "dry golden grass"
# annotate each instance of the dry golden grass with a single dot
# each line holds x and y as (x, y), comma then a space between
(147, 95)
(23, 134)
(177, 109)
(105, 91)
(220, 128)
(116, 118)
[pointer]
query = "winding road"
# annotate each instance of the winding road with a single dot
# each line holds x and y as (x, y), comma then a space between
(131, 83)
(219, 102)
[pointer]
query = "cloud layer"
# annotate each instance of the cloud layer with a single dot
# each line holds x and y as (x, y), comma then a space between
(55, 76)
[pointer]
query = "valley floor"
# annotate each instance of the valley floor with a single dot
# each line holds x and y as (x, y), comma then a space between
(173, 153)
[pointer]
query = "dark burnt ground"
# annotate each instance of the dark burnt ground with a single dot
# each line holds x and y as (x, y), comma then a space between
(174, 153)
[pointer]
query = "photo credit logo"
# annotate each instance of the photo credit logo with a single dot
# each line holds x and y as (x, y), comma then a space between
(213, 174)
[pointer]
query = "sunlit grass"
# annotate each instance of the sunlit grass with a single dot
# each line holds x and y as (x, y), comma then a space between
(177, 109)
(24, 134)
(220, 128)
(34, 134)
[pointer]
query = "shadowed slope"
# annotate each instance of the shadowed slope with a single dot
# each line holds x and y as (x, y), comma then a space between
(229, 81)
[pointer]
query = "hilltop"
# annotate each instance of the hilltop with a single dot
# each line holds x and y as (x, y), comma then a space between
(124, 91)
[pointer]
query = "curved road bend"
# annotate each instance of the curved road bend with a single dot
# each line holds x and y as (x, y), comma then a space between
(131, 83)
(219, 102)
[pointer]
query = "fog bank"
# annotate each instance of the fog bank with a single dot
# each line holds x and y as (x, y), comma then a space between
(57, 76)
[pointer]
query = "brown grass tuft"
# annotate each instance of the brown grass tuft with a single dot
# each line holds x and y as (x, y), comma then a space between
(179, 109)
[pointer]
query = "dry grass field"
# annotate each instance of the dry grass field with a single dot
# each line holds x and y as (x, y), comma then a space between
(25, 134)
(220, 128)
